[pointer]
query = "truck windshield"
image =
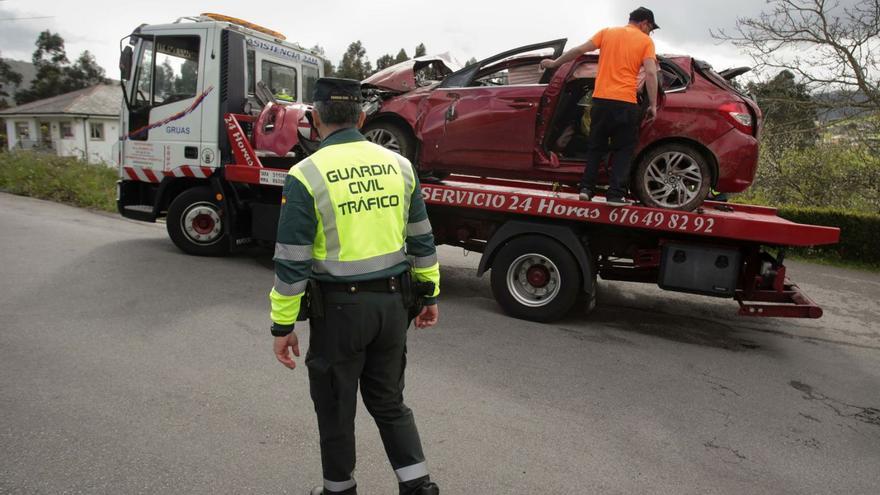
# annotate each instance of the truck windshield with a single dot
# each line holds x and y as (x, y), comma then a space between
(177, 68)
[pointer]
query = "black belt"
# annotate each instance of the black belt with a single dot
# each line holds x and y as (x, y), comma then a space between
(391, 284)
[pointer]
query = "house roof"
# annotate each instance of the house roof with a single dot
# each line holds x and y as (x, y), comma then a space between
(100, 99)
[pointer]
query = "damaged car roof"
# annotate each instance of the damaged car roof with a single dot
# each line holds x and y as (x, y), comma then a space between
(411, 74)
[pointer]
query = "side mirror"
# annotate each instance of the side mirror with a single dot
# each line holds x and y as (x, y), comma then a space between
(125, 62)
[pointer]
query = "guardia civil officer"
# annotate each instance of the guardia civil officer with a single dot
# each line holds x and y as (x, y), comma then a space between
(354, 222)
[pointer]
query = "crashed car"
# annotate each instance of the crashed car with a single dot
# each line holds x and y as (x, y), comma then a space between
(503, 117)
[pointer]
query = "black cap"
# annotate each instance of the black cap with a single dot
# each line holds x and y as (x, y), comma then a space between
(643, 14)
(336, 89)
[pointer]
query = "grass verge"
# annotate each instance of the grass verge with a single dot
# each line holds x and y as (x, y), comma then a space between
(61, 179)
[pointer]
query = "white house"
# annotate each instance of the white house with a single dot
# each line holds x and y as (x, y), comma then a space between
(83, 123)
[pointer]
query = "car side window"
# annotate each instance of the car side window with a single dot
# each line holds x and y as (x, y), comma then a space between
(671, 80)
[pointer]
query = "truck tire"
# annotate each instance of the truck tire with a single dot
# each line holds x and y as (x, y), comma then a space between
(535, 278)
(674, 176)
(195, 223)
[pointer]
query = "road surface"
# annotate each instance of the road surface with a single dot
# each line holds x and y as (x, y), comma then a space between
(129, 367)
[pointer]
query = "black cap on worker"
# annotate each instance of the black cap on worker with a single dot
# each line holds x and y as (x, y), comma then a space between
(336, 89)
(643, 14)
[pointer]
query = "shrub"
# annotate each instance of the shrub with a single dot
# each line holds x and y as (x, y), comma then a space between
(63, 179)
(859, 232)
(840, 176)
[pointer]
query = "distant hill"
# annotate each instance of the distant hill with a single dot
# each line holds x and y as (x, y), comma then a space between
(27, 71)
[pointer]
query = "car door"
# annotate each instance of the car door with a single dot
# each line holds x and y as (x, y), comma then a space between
(165, 123)
(484, 116)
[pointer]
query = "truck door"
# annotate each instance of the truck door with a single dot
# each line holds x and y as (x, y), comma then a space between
(165, 118)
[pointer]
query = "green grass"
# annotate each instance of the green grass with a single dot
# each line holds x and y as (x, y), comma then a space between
(61, 179)
(835, 261)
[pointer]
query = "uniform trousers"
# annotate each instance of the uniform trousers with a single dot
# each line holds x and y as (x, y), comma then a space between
(361, 341)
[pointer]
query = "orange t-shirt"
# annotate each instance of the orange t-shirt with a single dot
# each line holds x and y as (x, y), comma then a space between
(621, 53)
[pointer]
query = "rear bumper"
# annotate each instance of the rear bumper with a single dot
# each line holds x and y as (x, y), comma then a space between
(737, 156)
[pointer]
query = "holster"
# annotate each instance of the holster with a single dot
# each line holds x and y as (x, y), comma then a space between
(414, 293)
(311, 305)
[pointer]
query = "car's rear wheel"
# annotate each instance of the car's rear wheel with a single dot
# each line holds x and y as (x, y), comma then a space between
(392, 136)
(674, 176)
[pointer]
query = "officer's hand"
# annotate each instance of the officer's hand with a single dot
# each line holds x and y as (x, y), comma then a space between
(428, 316)
(281, 345)
(651, 113)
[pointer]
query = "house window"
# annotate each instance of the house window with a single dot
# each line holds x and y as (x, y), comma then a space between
(96, 131)
(22, 130)
(66, 130)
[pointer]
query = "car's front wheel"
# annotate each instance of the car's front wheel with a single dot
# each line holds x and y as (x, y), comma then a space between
(392, 136)
(674, 176)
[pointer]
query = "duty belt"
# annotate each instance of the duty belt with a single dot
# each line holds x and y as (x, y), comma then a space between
(390, 284)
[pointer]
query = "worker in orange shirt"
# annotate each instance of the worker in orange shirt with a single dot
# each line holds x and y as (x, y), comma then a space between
(623, 51)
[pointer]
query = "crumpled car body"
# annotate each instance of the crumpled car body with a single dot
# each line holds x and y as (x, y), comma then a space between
(503, 117)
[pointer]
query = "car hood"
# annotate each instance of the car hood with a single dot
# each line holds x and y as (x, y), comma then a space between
(407, 75)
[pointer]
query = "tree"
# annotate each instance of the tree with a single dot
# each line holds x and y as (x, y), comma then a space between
(471, 61)
(7, 77)
(354, 64)
(421, 51)
(789, 112)
(385, 61)
(55, 75)
(401, 56)
(829, 47)
(84, 72)
(329, 71)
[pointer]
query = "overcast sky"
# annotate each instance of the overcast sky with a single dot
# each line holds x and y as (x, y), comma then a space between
(464, 28)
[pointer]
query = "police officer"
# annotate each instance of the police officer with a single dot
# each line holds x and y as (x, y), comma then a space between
(353, 221)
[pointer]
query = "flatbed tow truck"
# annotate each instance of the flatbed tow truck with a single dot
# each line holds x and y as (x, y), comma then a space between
(545, 248)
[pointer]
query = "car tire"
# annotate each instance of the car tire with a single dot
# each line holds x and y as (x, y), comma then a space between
(535, 278)
(673, 176)
(392, 136)
(196, 225)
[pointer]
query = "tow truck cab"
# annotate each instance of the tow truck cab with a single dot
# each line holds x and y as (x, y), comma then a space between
(179, 81)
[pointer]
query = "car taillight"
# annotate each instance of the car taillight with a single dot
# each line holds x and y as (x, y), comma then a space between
(738, 115)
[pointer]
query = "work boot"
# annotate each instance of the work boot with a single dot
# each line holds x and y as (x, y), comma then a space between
(585, 194)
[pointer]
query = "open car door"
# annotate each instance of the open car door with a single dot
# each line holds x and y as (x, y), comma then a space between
(486, 113)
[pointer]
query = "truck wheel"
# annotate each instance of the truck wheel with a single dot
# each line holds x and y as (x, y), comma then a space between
(674, 176)
(392, 136)
(195, 223)
(535, 278)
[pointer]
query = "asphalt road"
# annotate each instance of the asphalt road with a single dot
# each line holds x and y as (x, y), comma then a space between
(129, 367)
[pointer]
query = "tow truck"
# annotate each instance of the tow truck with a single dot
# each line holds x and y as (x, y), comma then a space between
(545, 249)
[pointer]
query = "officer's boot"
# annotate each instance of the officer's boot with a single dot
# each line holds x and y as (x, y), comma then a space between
(429, 489)
(421, 486)
(319, 490)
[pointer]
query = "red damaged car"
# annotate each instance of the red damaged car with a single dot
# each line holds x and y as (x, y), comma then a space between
(503, 117)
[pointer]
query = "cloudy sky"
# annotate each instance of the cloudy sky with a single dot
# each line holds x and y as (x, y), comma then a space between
(464, 28)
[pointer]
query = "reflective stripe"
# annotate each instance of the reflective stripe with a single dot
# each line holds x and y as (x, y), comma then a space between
(325, 206)
(408, 183)
(410, 473)
(293, 289)
(424, 261)
(339, 486)
(418, 228)
(293, 252)
(359, 267)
